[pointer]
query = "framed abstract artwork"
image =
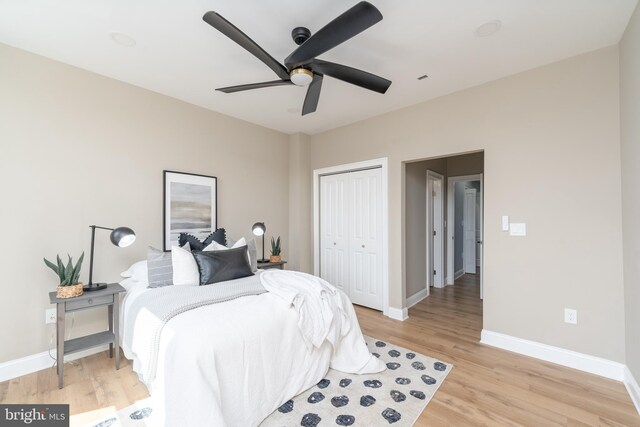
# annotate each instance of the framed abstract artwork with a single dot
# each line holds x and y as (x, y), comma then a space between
(190, 206)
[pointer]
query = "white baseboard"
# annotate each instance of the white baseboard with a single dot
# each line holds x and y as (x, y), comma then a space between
(632, 387)
(401, 314)
(458, 274)
(572, 359)
(36, 362)
(417, 297)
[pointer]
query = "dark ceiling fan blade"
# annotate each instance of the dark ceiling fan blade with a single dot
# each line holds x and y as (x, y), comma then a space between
(250, 86)
(231, 31)
(351, 75)
(350, 23)
(313, 95)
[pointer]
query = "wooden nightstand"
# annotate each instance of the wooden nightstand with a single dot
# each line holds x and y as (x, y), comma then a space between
(109, 297)
(267, 265)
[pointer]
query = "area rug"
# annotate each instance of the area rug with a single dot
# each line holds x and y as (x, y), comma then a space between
(394, 397)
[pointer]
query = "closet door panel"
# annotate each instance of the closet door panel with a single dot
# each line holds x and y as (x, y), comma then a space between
(365, 238)
(334, 230)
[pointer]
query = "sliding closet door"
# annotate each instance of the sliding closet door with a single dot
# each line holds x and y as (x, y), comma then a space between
(351, 234)
(333, 230)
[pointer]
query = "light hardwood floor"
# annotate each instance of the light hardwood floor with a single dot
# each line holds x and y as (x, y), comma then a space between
(487, 386)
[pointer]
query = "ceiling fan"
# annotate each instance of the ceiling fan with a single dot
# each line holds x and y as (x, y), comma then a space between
(302, 67)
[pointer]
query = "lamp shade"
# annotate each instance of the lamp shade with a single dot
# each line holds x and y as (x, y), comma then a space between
(123, 237)
(259, 228)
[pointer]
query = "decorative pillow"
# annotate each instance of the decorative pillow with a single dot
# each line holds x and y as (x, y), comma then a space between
(185, 269)
(231, 244)
(159, 268)
(219, 266)
(219, 236)
(137, 271)
(252, 250)
(129, 283)
(253, 254)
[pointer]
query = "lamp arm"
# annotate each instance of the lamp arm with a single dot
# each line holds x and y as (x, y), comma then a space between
(102, 228)
(93, 237)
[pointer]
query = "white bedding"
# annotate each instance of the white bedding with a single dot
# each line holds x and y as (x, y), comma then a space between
(233, 363)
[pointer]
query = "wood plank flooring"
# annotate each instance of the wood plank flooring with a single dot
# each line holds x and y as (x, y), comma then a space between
(487, 387)
(493, 387)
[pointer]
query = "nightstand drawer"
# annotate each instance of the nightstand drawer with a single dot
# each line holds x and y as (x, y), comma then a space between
(88, 303)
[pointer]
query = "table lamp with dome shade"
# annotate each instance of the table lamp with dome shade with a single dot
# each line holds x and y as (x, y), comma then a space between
(259, 229)
(121, 237)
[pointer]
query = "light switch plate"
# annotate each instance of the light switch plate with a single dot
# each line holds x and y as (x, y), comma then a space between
(518, 229)
(505, 222)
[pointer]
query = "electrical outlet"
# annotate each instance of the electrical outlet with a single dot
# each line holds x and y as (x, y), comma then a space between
(50, 315)
(571, 316)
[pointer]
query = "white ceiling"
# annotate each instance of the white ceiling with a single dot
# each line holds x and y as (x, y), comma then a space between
(179, 55)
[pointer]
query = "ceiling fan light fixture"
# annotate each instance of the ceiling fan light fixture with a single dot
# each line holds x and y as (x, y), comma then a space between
(301, 76)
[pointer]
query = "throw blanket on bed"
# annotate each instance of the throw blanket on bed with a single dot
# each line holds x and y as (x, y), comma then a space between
(155, 308)
(321, 314)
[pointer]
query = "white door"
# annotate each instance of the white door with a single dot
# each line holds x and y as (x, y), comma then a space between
(469, 229)
(435, 230)
(333, 230)
(351, 234)
(365, 238)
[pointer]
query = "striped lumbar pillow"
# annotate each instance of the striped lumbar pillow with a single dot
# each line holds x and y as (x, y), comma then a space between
(159, 268)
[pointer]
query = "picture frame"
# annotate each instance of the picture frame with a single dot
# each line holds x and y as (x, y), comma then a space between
(190, 205)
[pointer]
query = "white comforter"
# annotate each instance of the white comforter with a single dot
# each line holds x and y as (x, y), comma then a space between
(233, 363)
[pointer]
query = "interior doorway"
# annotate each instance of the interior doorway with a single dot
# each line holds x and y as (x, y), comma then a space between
(435, 230)
(465, 233)
(428, 227)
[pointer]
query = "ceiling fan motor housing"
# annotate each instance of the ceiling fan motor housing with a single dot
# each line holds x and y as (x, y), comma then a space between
(300, 35)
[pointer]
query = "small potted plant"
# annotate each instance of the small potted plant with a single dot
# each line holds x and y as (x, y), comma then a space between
(275, 250)
(69, 286)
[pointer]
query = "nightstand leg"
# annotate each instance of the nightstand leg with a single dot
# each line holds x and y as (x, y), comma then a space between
(116, 327)
(60, 344)
(110, 315)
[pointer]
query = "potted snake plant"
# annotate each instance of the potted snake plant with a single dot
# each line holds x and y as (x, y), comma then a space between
(69, 274)
(275, 250)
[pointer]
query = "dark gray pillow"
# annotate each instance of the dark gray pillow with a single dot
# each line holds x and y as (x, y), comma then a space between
(159, 268)
(219, 266)
(218, 236)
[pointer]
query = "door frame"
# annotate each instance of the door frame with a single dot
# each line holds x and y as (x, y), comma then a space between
(436, 281)
(474, 241)
(451, 226)
(352, 167)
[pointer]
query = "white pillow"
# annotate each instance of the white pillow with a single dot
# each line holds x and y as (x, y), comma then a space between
(130, 283)
(218, 247)
(137, 271)
(185, 269)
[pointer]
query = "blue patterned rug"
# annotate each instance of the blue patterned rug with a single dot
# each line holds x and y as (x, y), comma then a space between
(395, 397)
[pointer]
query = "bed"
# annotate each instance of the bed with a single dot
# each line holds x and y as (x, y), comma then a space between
(232, 363)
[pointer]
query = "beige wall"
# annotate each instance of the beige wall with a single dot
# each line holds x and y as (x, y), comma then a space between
(300, 194)
(552, 159)
(416, 220)
(469, 164)
(79, 149)
(630, 147)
